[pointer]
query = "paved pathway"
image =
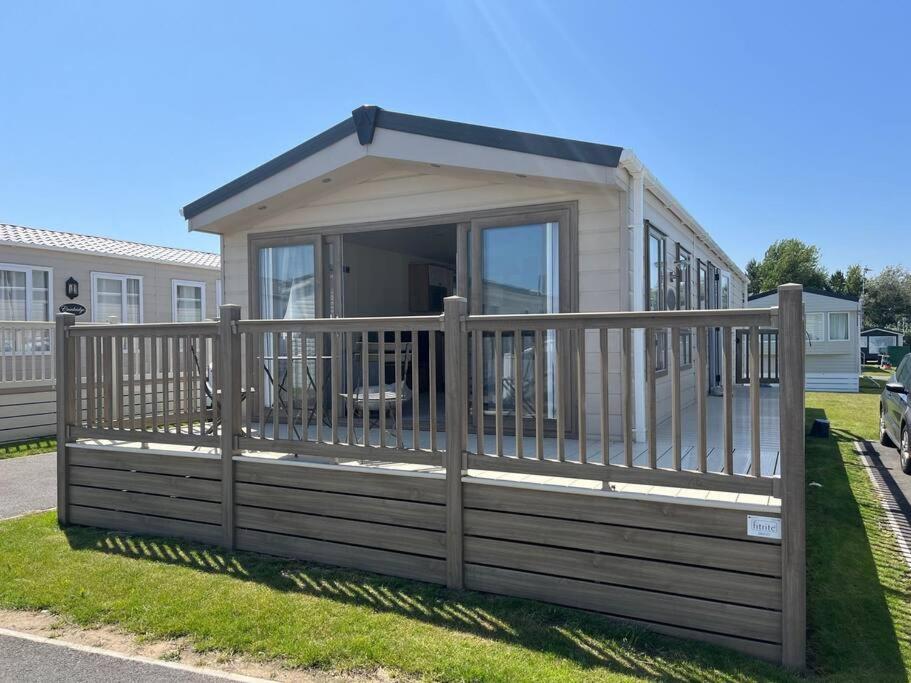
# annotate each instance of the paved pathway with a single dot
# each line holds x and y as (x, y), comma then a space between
(27, 484)
(29, 659)
(894, 487)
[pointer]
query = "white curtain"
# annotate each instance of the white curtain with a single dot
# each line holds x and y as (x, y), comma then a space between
(12, 295)
(838, 326)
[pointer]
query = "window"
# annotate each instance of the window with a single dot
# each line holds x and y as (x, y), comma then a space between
(188, 301)
(816, 327)
(657, 279)
(682, 275)
(657, 270)
(702, 285)
(25, 292)
(838, 327)
(116, 296)
(725, 290)
(218, 295)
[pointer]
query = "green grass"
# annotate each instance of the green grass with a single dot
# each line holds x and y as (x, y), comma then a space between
(31, 447)
(332, 619)
(338, 620)
(858, 586)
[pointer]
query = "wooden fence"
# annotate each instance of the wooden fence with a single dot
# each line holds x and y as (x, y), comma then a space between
(538, 396)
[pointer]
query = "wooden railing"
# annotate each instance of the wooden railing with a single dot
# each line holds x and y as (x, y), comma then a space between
(551, 395)
(26, 353)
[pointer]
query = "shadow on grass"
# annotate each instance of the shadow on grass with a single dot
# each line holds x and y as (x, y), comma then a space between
(587, 639)
(850, 627)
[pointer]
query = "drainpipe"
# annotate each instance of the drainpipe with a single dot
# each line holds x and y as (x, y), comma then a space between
(631, 163)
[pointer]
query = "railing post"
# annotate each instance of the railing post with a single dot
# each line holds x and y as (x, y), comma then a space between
(793, 475)
(64, 364)
(455, 347)
(229, 359)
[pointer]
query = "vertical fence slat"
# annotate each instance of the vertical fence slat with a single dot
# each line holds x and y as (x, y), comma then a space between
(90, 383)
(432, 386)
(399, 437)
(560, 396)
(188, 383)
(580, 393)
(108, 377)
(604, 351)
(349, 387)
(518, 373)
(131, 375)
(651, 422)
(381, 370)
(498, 391)
(365, 386)
(455, 341)
(319, 369)
(676, 419)
(626, 381)
(727, 363)
(143, 383)
(701, 397)
(539, 394)
(479, 391)
(155, 353)
(203, 357)
(415, 391)
(276, 384)
(756, 456)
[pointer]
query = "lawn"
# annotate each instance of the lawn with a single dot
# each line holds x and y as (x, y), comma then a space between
(338, 620)
(31, 447)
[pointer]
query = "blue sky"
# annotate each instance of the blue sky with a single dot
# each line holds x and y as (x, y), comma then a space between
(767, 120)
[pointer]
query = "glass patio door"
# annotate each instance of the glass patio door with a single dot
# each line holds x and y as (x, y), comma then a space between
(288, 276)
(518, 266)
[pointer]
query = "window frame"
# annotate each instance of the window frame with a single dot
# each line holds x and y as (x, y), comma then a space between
(29, 288)
(123, 277)
(188, 283)
(822, 315)
(684, 278)
(661, 335)
(829, 336)
(702, 297)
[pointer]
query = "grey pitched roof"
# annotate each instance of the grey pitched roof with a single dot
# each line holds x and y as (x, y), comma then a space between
(807, 290)
(69, 241)
(365, 120)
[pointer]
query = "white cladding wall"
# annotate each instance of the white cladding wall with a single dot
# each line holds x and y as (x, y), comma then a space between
(677, 233)
(408, 194)
(156, 278)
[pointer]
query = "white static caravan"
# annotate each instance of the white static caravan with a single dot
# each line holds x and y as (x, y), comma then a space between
(832, 338)
(555, 226)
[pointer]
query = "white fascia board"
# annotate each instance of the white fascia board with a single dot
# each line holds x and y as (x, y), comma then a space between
(395, 145)
(319, 164)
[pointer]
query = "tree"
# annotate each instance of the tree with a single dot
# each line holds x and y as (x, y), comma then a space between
(887, 299)
(854, 280)
(838, 282)
(755, 277)
(789, 260)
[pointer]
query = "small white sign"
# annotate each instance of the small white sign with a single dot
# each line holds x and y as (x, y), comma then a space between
(763, 527)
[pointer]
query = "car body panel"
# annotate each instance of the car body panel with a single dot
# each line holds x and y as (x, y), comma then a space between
(895, 407)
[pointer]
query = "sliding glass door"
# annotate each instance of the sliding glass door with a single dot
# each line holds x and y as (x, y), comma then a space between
(519, 264)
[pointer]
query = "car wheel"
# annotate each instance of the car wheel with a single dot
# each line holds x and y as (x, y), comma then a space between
(905, 450)
(884, 438)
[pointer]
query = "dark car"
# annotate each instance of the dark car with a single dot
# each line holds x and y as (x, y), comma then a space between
(895, 413)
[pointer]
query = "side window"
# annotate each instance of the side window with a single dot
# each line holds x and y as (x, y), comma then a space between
(903, 374)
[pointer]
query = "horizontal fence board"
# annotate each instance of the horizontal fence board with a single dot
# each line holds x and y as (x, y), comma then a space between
(417, 323)
(144, 524)
(206, 467)
(621, 320)
(384, 510)
(422, 488)
(431, 570)
(651, 575)
(675, 610)
(145, 503)
(146, 436)
(707, 520)
(341, 450)
(33, 431)
(382, 536)
(716, 553)
(143, 482)
(621, 474)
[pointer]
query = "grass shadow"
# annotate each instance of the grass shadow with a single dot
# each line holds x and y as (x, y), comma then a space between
(850, 626)
(587, 639)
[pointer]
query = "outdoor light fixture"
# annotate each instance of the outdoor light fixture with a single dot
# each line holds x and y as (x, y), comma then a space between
(72, 288)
